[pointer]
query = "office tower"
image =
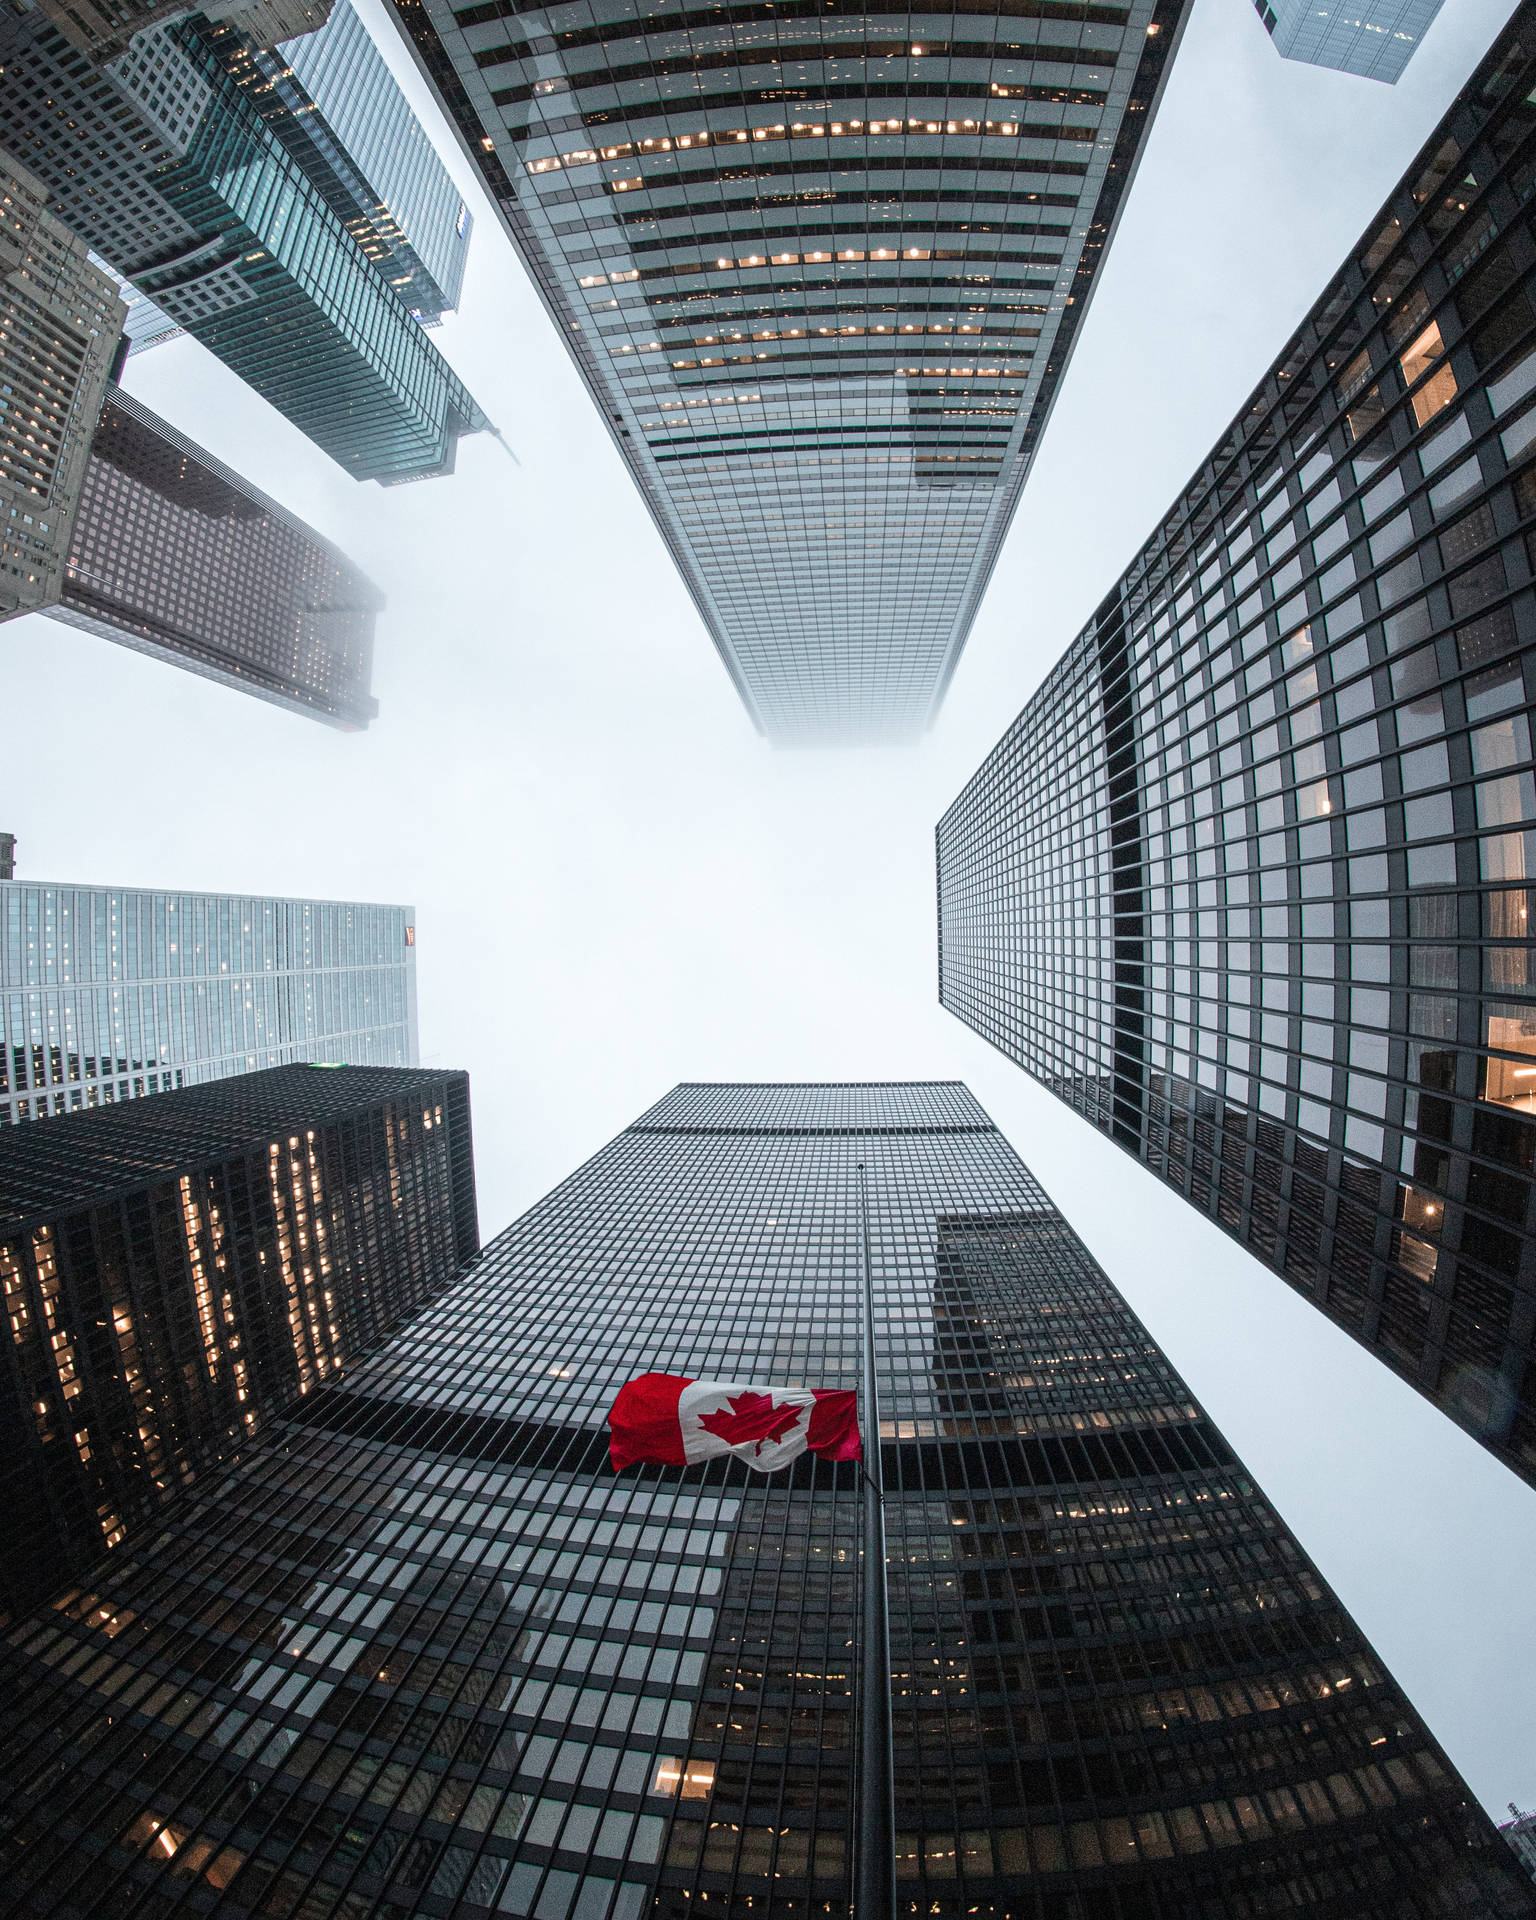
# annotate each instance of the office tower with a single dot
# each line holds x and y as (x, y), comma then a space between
(425, 1653)
(109, 993)
(1247, 881)
(1520, 1832)
(333, 101)
(59, 324)
(164, 166)
(176, 556)
(105, 29)
(822, 280)
(1377, 43)
(179, 1270)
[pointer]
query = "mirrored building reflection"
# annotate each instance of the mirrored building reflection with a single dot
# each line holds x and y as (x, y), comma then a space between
(178, 1270)
(109, 993)
(423, 1653)
(1248, 881)
(821, 270)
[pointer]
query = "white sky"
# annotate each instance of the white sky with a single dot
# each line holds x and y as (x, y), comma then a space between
(619, 886)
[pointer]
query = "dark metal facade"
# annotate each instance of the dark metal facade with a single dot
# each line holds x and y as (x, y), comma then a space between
(176, 556)
(821, 267)
(1248, 882)
(179, 1270)
(424, 1654)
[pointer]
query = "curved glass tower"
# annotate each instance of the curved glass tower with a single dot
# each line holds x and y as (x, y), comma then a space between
(821, 268)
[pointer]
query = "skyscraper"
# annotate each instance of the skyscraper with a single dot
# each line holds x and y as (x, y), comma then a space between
(424, 1653)
(59, 324)
(179, 1270)
(163, 165)
(334, 102)
(176, 556)
(1248, 881)
(105, 29)
(108, 993)
(1376, 41)
(822, 279)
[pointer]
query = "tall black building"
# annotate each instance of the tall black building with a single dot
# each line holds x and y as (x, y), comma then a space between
(423, 1653)
(1248, 882)
(178, 1269)
(174, 555)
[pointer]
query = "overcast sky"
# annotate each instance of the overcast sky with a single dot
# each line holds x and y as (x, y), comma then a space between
(619, 886)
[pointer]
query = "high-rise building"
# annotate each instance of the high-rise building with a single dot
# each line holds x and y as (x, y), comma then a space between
(822, 279)
(1376, 41)
(7, 856)
(334, 103)
(1520, 1832)
(179, 1270)
(161, 162)
(176, 556)
(145, 326)
(59, 324)
(424, 1652)
(105, 29)
(1248, 881)
(109, 993)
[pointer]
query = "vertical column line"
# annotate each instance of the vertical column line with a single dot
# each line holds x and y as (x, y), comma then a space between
(875, 1897)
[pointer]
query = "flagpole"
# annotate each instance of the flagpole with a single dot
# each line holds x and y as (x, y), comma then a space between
(876, 1884)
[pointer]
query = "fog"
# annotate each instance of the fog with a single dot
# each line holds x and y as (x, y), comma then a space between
(619, 885)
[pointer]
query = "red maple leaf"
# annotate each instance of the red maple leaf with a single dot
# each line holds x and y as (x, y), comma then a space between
(751, 1417)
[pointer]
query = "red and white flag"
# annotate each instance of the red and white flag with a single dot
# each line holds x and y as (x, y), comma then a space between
(673, 1421)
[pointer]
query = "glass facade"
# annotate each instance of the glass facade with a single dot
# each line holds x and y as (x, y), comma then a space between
(59, 324)
(109, 993)
(821, 268)
(334, 101)
(172, 175)
(176, 556)
(424, 1654)
(1377, 42)
(1247, 882)
(242, 1242)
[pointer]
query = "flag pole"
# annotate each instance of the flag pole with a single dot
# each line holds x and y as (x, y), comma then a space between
(876, 1887)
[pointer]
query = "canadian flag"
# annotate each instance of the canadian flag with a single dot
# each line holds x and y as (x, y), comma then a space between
(673, 1421)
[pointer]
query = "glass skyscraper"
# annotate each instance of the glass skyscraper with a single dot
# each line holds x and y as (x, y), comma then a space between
(1248, 882)
(107, 993)
(1376, 40)
(422, 1653)
(164, 166)
(821, 271)
(176, 556)
(243, 1241)
(334, 102)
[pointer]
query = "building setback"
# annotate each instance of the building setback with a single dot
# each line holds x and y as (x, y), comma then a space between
(163, 165)
(1376, 42)
(446, 1662)
(59, 324)
(332, 98)
(175, 555)
(179, 1270)
(822, 278)
(1247, 882)
(109, 993)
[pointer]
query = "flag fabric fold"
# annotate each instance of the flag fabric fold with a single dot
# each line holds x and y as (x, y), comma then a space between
(669, 1420)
